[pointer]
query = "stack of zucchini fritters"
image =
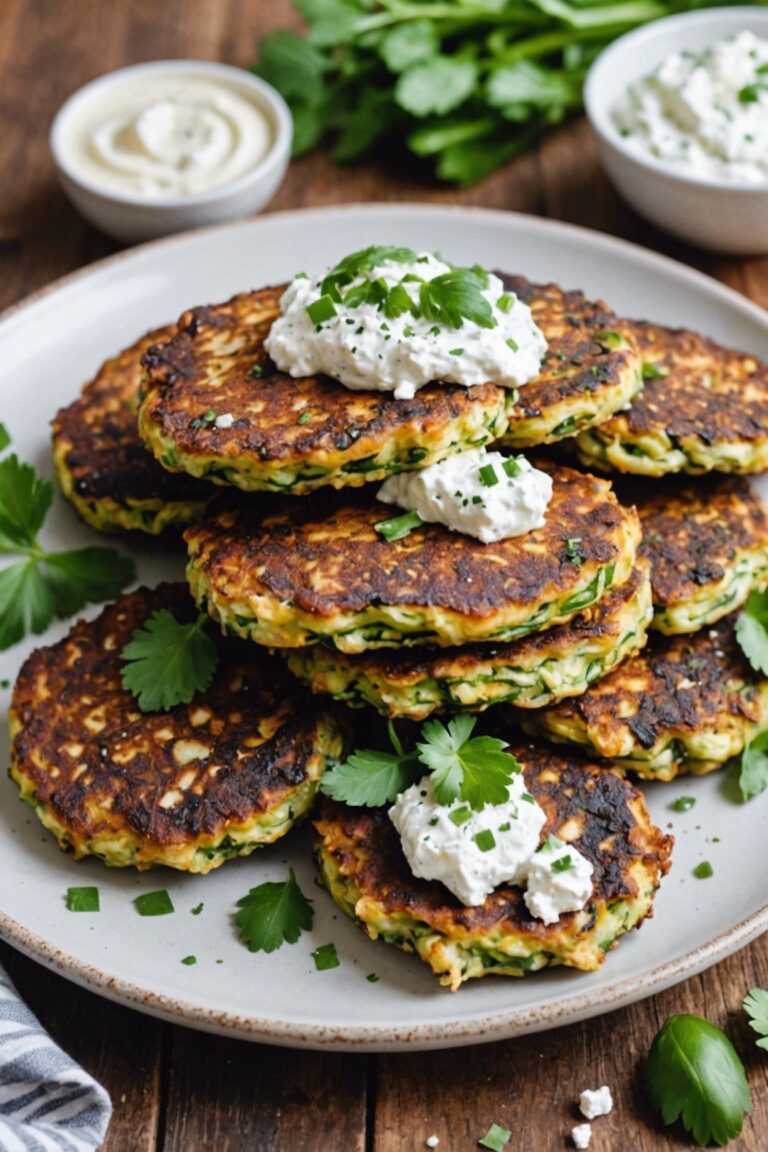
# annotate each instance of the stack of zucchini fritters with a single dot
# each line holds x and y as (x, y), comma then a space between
(545, 634)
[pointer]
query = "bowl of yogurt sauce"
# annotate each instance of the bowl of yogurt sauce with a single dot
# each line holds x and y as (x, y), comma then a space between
(680, 112)
(170, 145)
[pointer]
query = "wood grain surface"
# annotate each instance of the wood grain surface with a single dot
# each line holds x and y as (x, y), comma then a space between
(179, 1091)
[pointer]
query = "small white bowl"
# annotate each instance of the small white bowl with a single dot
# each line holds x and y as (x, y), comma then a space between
(133, 217)
(720, 214)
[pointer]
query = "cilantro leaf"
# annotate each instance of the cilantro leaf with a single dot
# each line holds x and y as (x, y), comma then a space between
(26, 602)
(86, 576)
(369, 778)
(454, 297)
(526, 83)
(695, 1075)
(752, 631)
(272, 914)
(755, 1005)
(436, 86)
(408, 44)
(476, 769)
(753, 774)
(293, 65)
(167, 662)
(5, 437)
(24, 502)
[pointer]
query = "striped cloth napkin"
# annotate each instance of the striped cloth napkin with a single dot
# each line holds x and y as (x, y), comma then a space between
(48, 1103)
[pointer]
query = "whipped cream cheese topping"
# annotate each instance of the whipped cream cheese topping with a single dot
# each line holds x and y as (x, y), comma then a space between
(704, 112)
(393, 320)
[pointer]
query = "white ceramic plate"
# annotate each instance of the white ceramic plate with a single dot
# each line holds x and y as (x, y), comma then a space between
(48, 347)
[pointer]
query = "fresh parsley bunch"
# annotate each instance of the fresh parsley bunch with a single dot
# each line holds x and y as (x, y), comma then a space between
(464, 84)
(42, 585)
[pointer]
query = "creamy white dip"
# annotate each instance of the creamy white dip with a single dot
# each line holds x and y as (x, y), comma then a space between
(367, 347)
(163, 136)
(471, 853)
(480, 493)
(705, 112)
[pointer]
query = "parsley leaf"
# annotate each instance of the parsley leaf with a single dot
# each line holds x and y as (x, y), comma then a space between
(24, 502)
(360, 262)
(756, 1007)
(272, 914)
(454, 297)
(695, 1075)
(752, 631)
(408, 44)
(436, 86)
(370, 778)
(5, 437)
(167, 662)
(753, 774)
(477, 770)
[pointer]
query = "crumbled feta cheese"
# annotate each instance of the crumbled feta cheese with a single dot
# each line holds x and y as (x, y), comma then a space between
(559, 880)
(226, 420)
(581, 1135)
(432, 1141)
(597, 1102)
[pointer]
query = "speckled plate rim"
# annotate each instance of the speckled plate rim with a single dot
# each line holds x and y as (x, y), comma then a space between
(481, 1028)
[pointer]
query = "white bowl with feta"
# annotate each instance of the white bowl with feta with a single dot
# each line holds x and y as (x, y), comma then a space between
(679, 108)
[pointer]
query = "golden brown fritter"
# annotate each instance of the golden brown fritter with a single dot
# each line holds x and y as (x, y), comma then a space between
(532, 672)
(292, 435)
(189, 787)
(604, 817)
(319, 570)
(102, 464)
(684, 704)
(591, 369)
(704, 408)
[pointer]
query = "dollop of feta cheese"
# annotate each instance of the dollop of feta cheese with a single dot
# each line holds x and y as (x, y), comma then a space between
(377, 336)
(559, 880)
(704, 111)
(581, 1135)
(482, 494)
(469, 852)
(596, 1102)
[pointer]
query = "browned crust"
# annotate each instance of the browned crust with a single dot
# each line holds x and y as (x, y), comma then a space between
(104, 452)
(260, 731)
(326, 559)
(614, 831)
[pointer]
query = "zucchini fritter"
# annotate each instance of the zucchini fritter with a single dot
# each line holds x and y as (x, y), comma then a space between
(101, 463)
(590, 371)
(602, 815)
(190, 787)
(532, 672)
(708, 547)
(316, 570)
(684, 704)
(706, 412)
(286, 434)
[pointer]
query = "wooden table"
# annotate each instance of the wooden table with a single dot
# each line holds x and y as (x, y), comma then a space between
(181, 1091)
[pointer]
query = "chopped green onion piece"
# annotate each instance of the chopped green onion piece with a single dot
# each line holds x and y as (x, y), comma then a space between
(325, 957)
(505, 302)
(457, 351)
(197, 909)
(563, 864)
(372, 978)
(511, 467)
(154, 903)
(488, 475)
(83, 900)
(304, 418)
(683, 803)
(528, 798)
(496, 1138)
(704, 870)
(189, 960)
(505, 827)
(460, 816)
(322, 309)
(398, 527)
(485, 840)
(513, 344)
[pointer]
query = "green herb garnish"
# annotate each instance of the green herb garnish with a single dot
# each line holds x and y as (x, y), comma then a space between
(460, 816)
(167, 662)
(321, 309)
(272, 914)
(207, 420)
(505, 302)
(573, 551)
(370, 778)
(372, 978)
(255, 371)
(197, 909)
(704, 870)
(513, 344)
(496, 1138)
(326, 957)
(755, 1005)
(485, 840)
(562, 864)
(189, 960)
(488, 475)
(512, 466)
(83, 899)
(454, 297)
(154, 903)
(753, 767)
(752, 631)
(5, 438)
(399, 526)
(654, 371)
(475, 769)
(45, 585)
(305, 417)
(683, 803)
(694, 1075)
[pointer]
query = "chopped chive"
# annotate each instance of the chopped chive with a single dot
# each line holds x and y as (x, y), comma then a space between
(513, 344)
(321, 309)
(654, 371)
(496, 1138)
(408, 330)
(511, 467)
(326, 957)
(488, 475)
(154, 903)
(485, 840)
(563, 864)
(372, 978)
(399, 526)
(704, 870)
(434, 330)
(505, 302)
(683, 803)
(457, 352)
(197, 909)
(477, 499)
(505, 827)
(433, 821)
(528, 798)
(305, 417)
(189, 960)
(460, 816)
(83, 900)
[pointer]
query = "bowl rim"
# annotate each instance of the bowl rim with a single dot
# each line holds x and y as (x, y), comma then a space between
(598, 113)
(270, 99)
